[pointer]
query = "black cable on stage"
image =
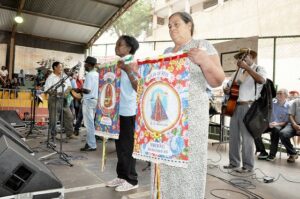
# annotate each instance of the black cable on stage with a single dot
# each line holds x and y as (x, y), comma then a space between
(240, 182)
(253, 195)
(228, 190)
(282, 176)
(218, 152)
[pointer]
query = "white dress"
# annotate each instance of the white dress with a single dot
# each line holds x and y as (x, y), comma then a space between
(190, 183)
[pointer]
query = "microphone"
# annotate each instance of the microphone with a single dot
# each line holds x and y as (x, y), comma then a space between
(76, 67)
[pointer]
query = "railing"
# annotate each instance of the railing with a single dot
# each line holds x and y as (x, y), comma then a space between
(21, 101)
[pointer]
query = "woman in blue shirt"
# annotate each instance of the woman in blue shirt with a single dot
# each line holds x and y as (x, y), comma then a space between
(126, 173)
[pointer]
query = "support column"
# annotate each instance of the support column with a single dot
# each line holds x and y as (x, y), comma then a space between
(11, 47)
(11, 55)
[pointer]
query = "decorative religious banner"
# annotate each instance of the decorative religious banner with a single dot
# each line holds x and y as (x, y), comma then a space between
(161, 133)
(107, 112)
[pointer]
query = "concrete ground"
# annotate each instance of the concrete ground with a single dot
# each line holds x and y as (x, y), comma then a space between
(85, 180)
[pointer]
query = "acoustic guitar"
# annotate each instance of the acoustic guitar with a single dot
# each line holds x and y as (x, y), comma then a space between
(76, 95)
(230, 104)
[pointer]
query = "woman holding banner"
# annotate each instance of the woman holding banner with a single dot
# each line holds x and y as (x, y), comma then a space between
(205, 68)
(126, 180)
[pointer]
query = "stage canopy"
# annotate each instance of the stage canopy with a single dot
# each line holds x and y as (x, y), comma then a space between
(71, 21)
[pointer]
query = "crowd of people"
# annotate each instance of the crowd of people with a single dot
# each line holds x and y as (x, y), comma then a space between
(205, 69)
(11, 83)
(283, 126)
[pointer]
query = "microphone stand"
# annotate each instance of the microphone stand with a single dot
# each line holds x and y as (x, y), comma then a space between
(62, 155)
(33, 112)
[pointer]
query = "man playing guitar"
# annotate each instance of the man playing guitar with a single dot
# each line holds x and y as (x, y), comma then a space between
(247, 76)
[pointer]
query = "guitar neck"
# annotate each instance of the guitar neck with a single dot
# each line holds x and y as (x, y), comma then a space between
(234, 78)
(241, 59)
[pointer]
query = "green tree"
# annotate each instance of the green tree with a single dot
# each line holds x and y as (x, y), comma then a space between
(136, 21)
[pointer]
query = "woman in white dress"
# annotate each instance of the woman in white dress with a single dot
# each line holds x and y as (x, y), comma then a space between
(205, 68)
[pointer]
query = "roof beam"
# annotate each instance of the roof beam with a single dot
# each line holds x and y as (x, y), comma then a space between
(49, 38)
(52, 17)
(108, 23)
(107, 3)
(54, 40)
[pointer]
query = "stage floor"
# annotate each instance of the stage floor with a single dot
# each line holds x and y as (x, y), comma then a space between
(85, 180)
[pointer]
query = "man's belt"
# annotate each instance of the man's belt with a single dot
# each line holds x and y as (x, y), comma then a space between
(60, 94)
(244, 102)
(91, 98)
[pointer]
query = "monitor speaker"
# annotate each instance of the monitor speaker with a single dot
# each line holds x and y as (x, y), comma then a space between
(22, 173)
(7, 125)
(9, 131)
(12, 118)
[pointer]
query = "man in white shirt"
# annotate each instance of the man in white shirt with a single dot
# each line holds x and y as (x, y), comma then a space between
(3, 75)
(3, 71)
(57, 102)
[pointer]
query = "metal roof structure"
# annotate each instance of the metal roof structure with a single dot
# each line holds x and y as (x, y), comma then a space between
(73, 21)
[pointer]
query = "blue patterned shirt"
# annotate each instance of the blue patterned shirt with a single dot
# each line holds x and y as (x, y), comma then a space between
(280, 113)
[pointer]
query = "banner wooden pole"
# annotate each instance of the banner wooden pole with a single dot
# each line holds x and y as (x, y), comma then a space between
(103, 154)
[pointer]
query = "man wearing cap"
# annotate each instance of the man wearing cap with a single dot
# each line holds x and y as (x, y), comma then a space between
(249, 77)
(89, 102)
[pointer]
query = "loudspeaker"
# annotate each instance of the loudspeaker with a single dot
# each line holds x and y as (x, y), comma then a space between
(22, 173)
(12, 118)
(11, 132)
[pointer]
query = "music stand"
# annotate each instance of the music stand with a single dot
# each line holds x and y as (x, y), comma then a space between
(62, 155)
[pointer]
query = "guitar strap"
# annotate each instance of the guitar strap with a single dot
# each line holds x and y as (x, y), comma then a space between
(255, 84)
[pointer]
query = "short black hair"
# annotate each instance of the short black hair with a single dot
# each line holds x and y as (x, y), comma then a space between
(55, 64)
(131, 42)
(186, 17)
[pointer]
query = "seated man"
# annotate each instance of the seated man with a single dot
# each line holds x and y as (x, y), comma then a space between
(3, 76)
(292, 129)
(279, 120)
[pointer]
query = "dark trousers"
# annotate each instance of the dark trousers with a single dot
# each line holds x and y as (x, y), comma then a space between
(285, 135)
(124, 146)
(55, 106)
(274, 133)
(79, 118)
(77, 107)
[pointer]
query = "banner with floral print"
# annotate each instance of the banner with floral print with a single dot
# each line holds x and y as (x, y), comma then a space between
(161, 133)
(107, 113)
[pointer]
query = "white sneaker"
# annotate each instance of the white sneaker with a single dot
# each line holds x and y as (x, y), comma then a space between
(125, 186)
(115, 182)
